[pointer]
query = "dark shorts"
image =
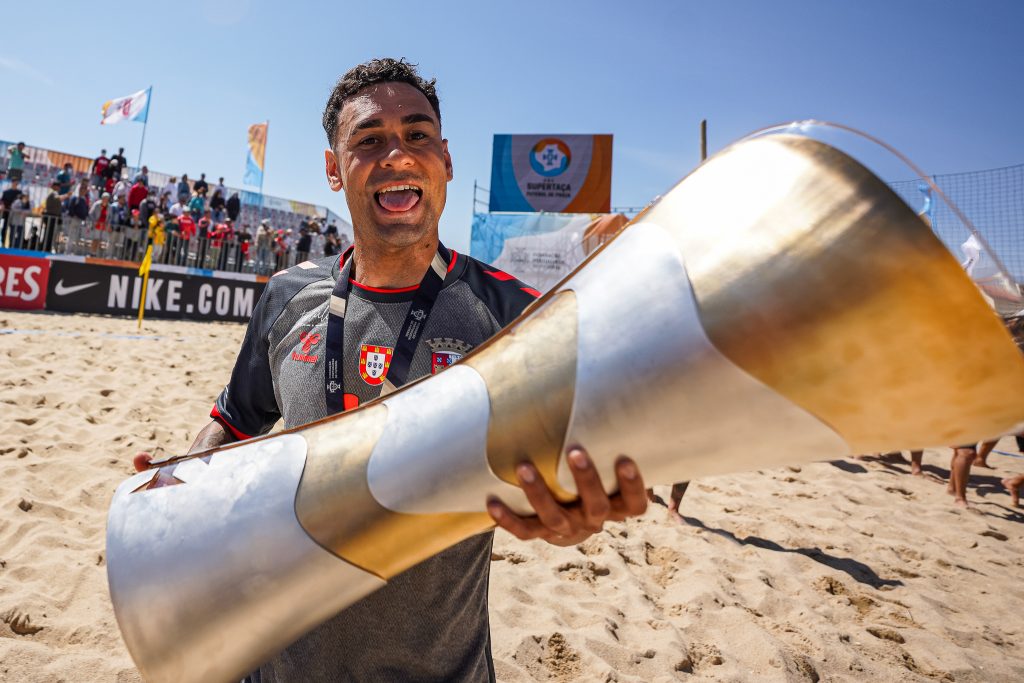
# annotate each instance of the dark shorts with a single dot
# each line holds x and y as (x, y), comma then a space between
(15, 173)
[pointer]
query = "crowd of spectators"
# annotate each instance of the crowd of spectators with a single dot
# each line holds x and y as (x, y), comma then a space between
(113, 214)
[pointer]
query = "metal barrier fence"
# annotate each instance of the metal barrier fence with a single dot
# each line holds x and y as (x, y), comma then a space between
(74, 236)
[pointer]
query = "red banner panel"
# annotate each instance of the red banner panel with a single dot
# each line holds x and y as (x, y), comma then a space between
(23, 282)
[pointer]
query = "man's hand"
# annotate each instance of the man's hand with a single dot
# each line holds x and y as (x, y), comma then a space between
(141, 461)
(213, 435)
(570, 524)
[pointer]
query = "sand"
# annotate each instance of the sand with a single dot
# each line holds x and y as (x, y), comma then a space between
(845, 571)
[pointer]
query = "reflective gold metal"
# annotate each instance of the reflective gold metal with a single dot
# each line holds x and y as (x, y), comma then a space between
(335, 506)
(531, 374)
(814, 297)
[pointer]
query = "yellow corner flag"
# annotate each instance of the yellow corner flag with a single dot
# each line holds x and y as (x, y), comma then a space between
(147, 261)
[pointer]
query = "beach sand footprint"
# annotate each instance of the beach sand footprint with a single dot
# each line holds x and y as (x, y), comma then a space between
(20, 624)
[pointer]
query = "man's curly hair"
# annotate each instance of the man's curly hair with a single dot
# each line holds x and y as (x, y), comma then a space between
(381, 70)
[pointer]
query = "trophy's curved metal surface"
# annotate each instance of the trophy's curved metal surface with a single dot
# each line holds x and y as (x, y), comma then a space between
(779, 305)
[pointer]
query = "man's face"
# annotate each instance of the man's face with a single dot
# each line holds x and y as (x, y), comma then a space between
(393, 164)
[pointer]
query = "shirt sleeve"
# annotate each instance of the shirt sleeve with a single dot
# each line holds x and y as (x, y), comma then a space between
(247, 406)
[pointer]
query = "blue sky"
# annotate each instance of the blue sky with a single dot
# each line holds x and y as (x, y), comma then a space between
(940, 80)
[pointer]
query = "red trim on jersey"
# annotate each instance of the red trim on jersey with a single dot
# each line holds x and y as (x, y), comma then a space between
(530, 290)
(399, 290)
(384, 290)
(498, 275)
(215, 414)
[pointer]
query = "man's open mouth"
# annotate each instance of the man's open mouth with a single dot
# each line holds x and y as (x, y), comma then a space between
(398, 198)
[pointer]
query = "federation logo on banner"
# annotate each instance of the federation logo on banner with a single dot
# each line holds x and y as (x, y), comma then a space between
(552, 173)
(374, 362)
(550, 157)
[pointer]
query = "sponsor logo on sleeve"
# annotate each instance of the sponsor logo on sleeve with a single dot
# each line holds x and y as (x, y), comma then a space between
(307, 340)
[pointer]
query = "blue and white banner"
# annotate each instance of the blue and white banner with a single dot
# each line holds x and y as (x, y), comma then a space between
(539, 249)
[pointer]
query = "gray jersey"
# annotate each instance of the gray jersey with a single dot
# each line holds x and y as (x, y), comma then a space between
(429, 623)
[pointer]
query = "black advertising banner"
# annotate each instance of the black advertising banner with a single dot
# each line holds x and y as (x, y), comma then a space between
(77, 287)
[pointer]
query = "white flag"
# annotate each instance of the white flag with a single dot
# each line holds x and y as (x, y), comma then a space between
(131, 108)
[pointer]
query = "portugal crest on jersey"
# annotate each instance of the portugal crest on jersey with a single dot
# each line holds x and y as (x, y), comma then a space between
(374, 362)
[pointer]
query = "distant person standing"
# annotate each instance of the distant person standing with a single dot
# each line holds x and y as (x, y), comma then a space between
(244, 239)
(52, 210)
(184, 191)
(234, 206)
(220, 188)
(197, 205)
(77, 209)
(156, 235)
(8, 199)
(99, 169)
(186, 232)
(16, 162)
(170, 189)
(119, 158)
(137, 194)
(143, 176)
(303, 245)
(201, 185)
(77, 205)
(316, 240)
(99, 215)
(217, 207)
(264, 246)
(331, 240)
(65, 178)
(113, 175)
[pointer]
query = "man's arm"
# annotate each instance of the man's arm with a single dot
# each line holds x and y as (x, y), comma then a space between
(213, 435)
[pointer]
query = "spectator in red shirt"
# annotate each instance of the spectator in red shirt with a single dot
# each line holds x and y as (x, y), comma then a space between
(99, 169)
(137, 194)
(186, 231)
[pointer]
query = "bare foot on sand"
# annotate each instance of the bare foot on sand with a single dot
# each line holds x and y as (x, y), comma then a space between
(675, 499)
(1012, 486)
(915, 463)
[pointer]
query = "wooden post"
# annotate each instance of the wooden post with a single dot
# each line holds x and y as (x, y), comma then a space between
(703, 140)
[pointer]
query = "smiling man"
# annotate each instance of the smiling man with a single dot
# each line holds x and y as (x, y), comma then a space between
(331, 334)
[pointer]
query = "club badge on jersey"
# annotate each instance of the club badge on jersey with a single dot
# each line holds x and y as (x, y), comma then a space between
(445, 351)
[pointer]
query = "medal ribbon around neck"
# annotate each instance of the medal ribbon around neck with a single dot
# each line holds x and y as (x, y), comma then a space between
(408, 338)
